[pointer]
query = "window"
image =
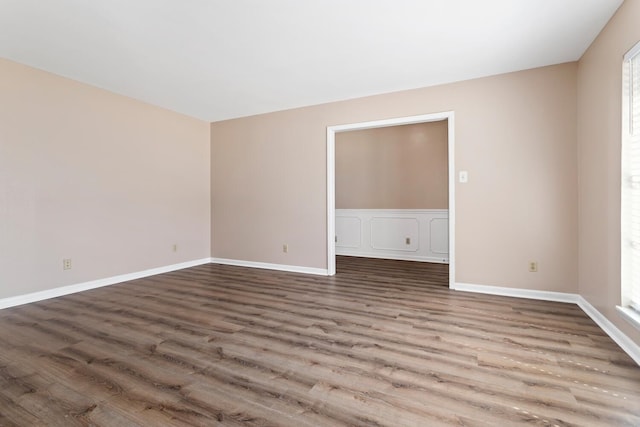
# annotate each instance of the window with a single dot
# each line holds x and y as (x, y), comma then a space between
(631, 186)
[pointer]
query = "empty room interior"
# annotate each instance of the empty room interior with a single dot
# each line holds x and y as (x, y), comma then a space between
(320, 213)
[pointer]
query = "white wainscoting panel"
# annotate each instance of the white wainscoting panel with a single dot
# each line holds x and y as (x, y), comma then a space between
(439, 236)
(407, 234)
(349, 230)
(394, 234)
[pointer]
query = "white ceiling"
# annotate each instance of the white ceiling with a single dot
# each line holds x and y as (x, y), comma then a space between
(219, 59)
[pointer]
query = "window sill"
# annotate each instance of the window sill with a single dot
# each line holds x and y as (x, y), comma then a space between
(630, 315)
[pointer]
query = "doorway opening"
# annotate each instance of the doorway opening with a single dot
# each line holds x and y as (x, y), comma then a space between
(331, 178)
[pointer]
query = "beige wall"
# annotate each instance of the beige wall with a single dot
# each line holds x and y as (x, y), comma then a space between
(599, 139)
(515, 135)
(395, 167)
(85, 174)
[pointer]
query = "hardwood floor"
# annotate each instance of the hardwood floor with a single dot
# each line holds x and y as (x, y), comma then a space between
(383, 343)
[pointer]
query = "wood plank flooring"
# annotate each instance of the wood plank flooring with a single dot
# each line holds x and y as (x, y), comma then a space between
(383, 343)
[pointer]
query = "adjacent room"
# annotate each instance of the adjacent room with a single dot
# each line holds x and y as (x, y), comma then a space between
(391, 192)
(320, 213)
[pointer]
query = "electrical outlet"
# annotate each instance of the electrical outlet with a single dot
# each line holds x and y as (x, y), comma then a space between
(407, 240)
(66, 264)
(533, 266)
(175, 247)
(285, 248)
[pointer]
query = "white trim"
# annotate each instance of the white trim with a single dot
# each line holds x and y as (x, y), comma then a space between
(85, 286)
(635, 50)
(331, 201)
(452, 197)
(630, 315)
(623, 341)
(630, 167)
(331, 178)
(517, 293)
(269, 266)
(395, 211)
(401, 257)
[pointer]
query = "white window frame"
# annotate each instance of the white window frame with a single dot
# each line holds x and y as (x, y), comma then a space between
(630, 188)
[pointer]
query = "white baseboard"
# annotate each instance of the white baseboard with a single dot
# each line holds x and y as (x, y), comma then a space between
(517, 293)
(79, 287)
(402, 257)
(85, 286)
(625, 343)
(269, 266)
(630, 347)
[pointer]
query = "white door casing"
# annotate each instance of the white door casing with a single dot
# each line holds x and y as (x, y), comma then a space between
(331, 178)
